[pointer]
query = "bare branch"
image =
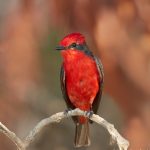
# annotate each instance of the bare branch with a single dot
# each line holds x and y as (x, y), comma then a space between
(122, 143)
(22, 145)
(12, 136)
(43, 123)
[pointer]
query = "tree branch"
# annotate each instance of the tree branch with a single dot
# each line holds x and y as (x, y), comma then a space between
(12, 136)
(23, 144)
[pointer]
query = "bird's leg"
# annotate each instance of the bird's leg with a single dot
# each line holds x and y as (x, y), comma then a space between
(89, 113)
(67, 110)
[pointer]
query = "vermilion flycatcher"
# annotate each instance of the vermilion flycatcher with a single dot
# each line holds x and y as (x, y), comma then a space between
(81, 82)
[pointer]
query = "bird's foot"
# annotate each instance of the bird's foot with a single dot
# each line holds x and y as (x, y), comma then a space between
(67, 110)
(89, 114)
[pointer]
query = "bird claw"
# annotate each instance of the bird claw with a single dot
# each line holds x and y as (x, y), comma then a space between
(67, 110)
(89, 114)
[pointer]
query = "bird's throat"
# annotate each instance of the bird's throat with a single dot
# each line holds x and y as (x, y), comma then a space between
(72, 55)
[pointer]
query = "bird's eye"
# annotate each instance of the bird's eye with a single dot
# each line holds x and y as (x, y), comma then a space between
(73, 45)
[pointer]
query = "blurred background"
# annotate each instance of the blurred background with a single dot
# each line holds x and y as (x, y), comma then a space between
(117, 31)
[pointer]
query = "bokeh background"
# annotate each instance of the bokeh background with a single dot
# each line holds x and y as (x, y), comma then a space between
(117, 31)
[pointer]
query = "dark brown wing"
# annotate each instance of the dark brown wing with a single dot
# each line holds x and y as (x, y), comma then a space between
(63, 88)
(97, 99)
(64, 91)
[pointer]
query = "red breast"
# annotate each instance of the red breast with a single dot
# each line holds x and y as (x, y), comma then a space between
(82, 80)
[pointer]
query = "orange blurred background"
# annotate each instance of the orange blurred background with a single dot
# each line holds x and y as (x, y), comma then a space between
(118, 31)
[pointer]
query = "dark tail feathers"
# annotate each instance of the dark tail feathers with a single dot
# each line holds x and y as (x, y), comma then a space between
(82, 135)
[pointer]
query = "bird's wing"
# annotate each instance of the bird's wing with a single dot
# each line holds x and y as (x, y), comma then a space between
(97, 99)
(64, 92)
(63, 88)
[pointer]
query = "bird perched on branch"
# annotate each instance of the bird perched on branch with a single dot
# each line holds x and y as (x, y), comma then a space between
(82, 80)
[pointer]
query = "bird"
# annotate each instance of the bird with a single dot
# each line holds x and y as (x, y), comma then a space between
(82, 79)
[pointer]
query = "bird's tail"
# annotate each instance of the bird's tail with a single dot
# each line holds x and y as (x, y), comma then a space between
(82, 135)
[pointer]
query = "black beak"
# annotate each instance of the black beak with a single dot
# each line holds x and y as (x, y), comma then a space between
(59, 48)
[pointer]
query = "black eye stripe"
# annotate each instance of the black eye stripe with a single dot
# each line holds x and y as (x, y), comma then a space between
(81, 47)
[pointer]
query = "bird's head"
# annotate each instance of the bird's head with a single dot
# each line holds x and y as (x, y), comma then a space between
(74, 46)
(73, 41)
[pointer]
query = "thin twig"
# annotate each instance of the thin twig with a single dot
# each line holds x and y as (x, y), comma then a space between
(22, 145)
(12, 136)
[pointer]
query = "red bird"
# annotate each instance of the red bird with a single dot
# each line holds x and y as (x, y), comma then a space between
(81, 82)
